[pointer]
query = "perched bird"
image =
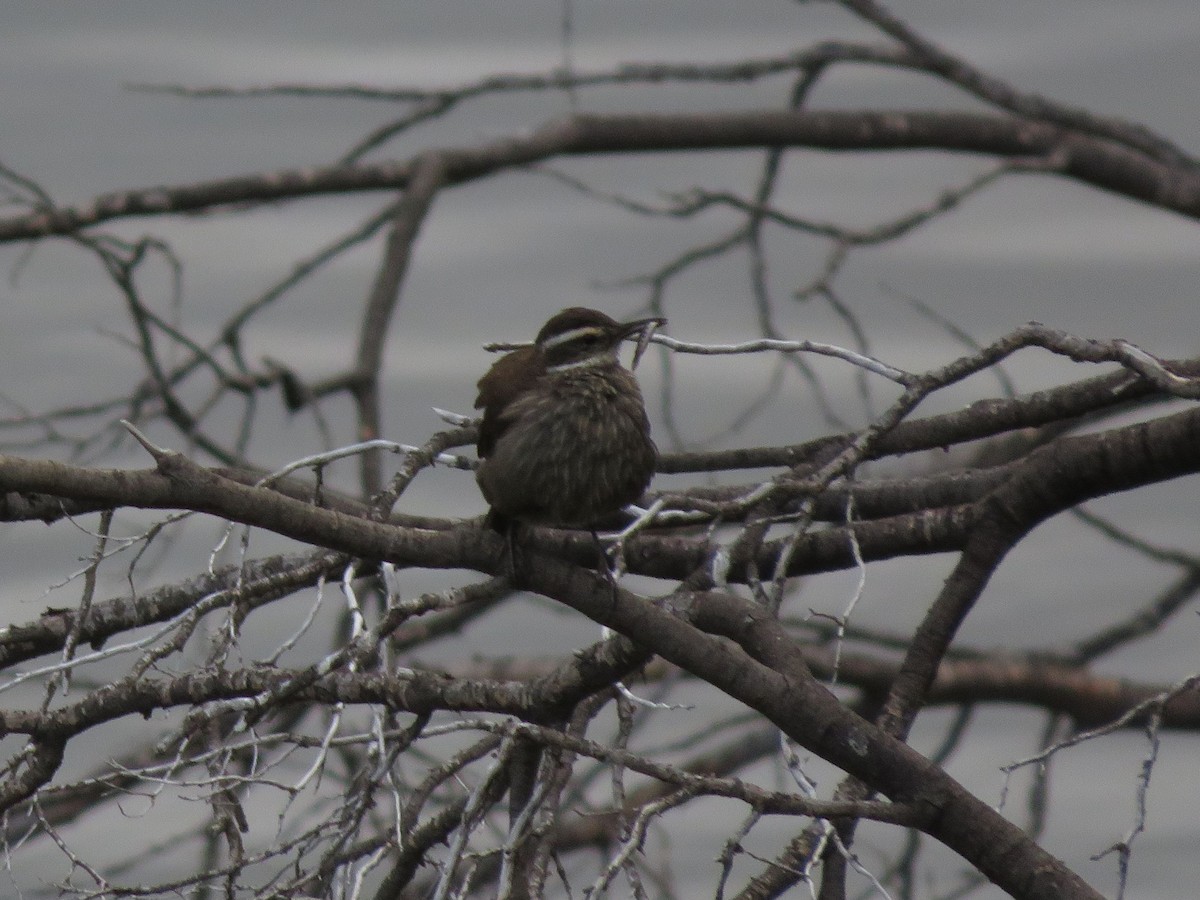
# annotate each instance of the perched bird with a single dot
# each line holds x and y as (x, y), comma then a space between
(564, 441)
(564, 438)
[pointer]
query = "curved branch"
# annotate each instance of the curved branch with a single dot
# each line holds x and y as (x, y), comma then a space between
(381, 305)
(1094, 161)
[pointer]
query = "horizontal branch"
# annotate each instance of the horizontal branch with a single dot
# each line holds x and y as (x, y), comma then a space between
(1069, 471)
(773, 802)
(1091, 160)
(1089, 698)
(253, 583)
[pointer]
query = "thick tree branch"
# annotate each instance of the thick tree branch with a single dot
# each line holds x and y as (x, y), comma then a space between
(1090, 160)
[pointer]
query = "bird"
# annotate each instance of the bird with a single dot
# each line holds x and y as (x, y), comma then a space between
(564, 439)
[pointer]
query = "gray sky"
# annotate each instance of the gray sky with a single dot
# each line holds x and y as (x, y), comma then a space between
(497, 258)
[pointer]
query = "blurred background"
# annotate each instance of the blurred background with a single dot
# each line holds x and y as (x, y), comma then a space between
(497, 257)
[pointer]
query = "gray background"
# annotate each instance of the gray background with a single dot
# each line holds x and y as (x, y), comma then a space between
(496, 258)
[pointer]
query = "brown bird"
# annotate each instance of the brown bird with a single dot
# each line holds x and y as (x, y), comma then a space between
(564, 438)
(564, 441)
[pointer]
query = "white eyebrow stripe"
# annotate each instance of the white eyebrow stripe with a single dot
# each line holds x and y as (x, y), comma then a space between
(573, 335)
(595, 359)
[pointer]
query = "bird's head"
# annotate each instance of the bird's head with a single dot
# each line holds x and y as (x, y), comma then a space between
(579, 337)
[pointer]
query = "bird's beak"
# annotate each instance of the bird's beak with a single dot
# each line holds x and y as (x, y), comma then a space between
(644, 330)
